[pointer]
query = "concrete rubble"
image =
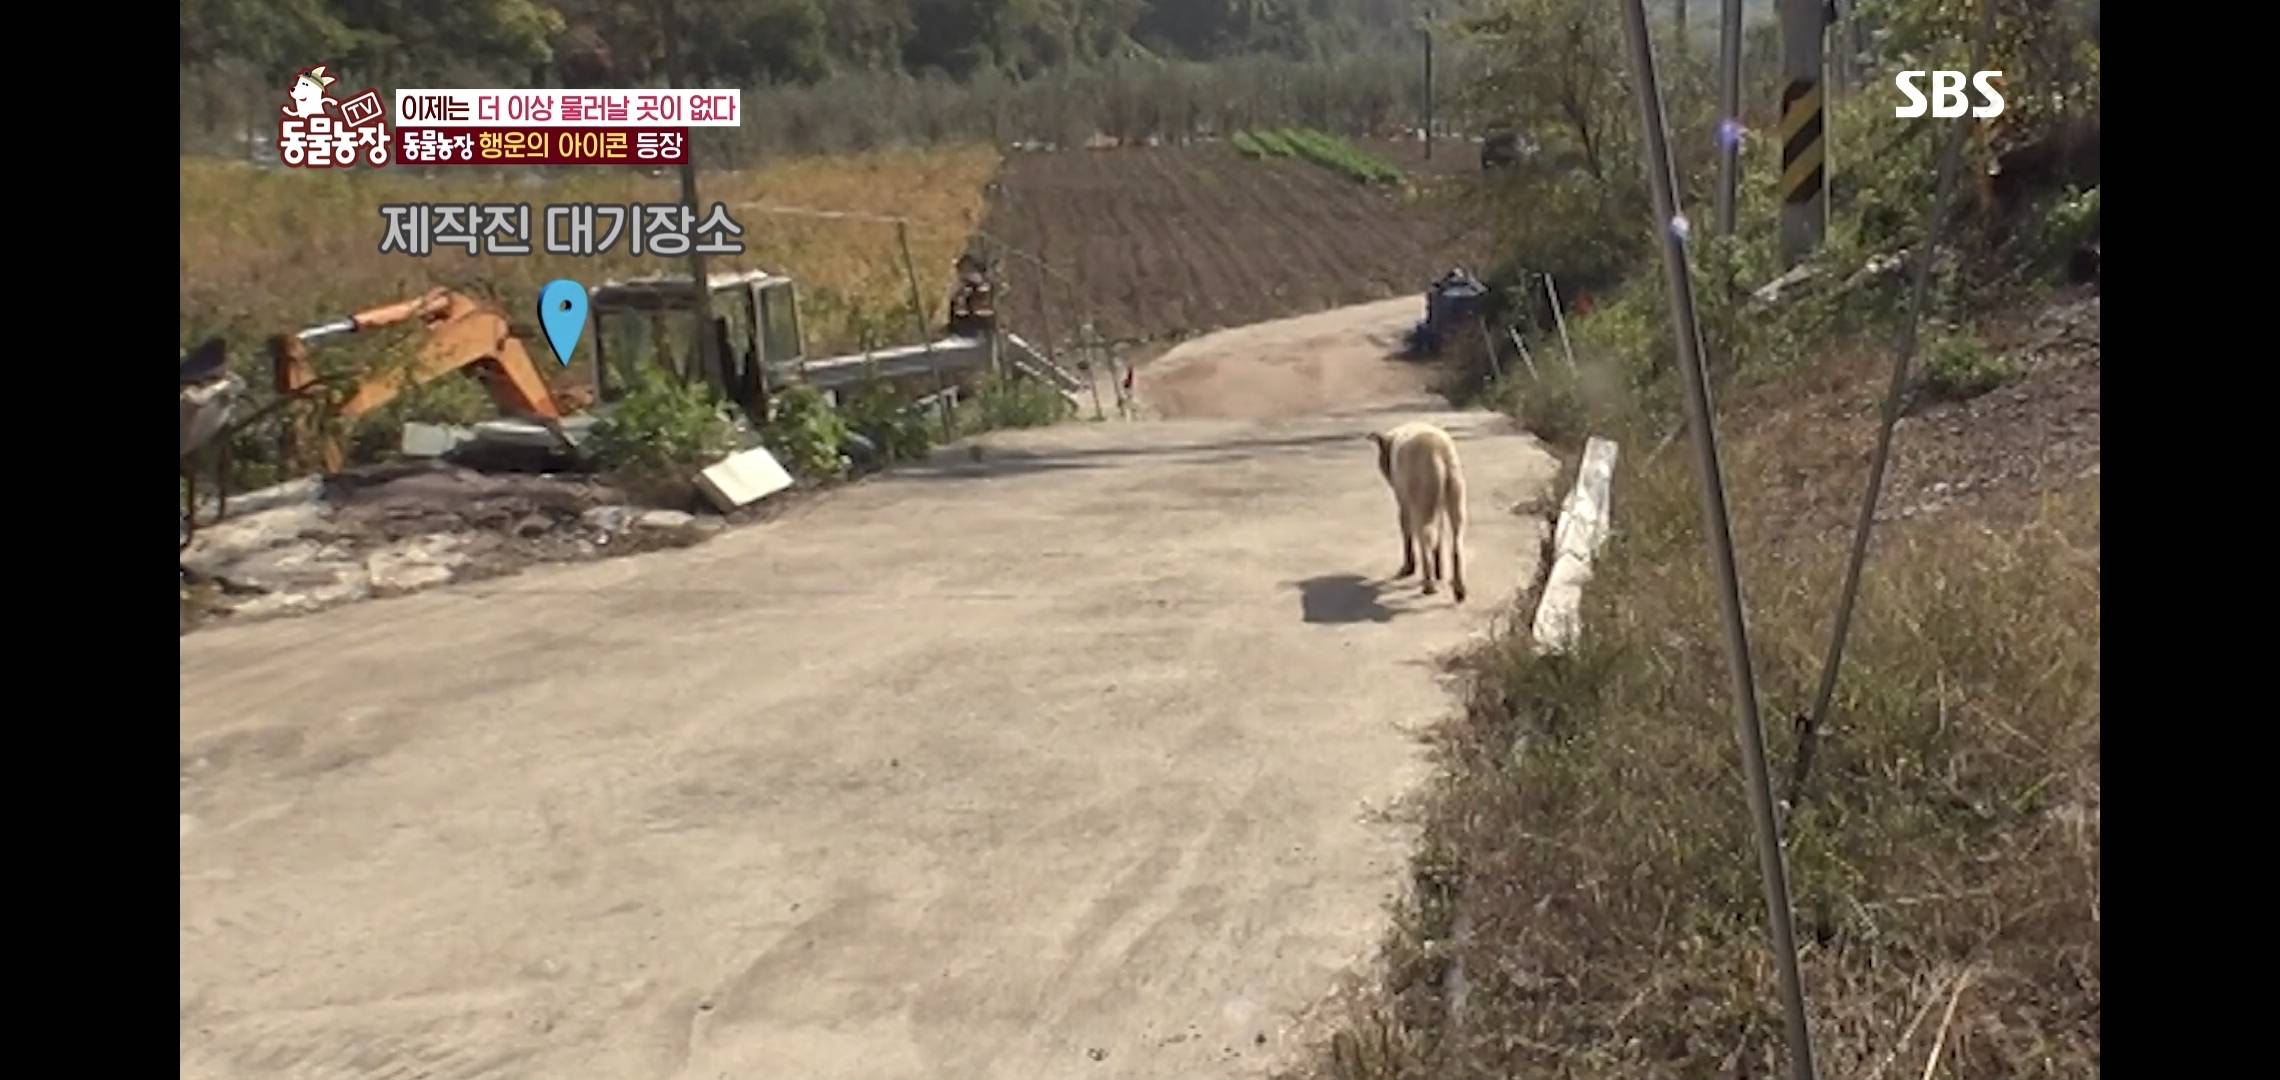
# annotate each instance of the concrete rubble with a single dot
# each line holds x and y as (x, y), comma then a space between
(434, 440)
(396, 529)
(416, 563)
(437, 517)
(743, 478)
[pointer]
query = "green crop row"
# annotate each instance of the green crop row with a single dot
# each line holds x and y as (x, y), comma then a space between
(1262, 144)
(1340, 156)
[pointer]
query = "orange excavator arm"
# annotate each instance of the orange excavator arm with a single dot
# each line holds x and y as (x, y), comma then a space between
(458, 333)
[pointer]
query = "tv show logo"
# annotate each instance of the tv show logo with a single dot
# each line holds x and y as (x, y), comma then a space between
(537, 126)
(318, 131)
(1948, 99)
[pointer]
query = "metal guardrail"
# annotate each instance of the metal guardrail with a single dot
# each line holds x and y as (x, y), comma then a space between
(943, 355)
(946, 354)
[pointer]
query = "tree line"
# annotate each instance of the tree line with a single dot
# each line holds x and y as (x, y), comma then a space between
(760, 42)
(837, 75)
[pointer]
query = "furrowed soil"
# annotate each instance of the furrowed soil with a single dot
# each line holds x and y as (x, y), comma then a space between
(1163, 242)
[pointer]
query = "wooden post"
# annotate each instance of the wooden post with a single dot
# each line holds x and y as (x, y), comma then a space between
(1560, 321)
(925, 331)
(1088, 347)
(601, 362)
(1106, 365)
(1488, 341)
(997, 297)
(1522, 347)
(708, 360)
(1428, 82)
(1045, 313)
(1092, 378)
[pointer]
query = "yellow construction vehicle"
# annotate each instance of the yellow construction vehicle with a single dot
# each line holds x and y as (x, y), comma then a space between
(459, 334)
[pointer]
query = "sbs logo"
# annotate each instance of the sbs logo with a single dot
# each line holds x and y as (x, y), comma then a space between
(1948, 99)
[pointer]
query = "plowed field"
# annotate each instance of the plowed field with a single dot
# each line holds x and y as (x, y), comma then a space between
(1163, 242)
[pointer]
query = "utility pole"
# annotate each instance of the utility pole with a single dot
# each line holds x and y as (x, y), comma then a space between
(1804, 177)
(708, 358)
(1729, 112)
(1428, 82)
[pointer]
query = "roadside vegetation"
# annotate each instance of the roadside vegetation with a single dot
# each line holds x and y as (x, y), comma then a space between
(663, 431)
(1585, 896)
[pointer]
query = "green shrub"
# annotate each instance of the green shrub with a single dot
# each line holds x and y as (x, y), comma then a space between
(805, 434)
(1584, 234)
(1247, 145)
(1629, 333)
(662, 424)
(2068, 224)
(654, 439)
(1014, 403)
(1957, 366)
(1552, 410)
(880, 415)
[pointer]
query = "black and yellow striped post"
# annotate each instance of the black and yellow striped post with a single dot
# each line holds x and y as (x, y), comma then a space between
(1803, 130)
(1804, 179)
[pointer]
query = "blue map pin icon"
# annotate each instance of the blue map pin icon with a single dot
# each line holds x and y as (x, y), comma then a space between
(562, 313)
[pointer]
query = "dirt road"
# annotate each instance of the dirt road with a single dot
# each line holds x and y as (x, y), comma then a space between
(1305, 366)
(1056, 763)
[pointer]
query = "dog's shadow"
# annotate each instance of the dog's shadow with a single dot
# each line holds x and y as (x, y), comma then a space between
(1346, 598)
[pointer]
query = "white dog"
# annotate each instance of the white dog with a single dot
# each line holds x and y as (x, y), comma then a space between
(1419, 461)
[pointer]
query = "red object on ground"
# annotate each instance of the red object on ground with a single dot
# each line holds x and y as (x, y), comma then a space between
(1583, 303)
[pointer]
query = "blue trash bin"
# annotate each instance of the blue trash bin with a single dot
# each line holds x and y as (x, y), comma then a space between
(1452, 302)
